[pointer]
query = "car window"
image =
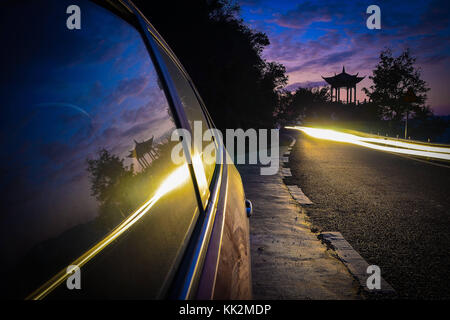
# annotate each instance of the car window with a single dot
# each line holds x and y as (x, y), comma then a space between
(204, 168)
(87, 177)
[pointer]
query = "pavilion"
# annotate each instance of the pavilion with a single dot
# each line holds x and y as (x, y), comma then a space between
(343, 80)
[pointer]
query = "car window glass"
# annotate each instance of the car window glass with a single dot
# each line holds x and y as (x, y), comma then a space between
(204, 168)
(85, 156)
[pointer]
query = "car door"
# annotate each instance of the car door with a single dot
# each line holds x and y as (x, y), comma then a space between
(86, 126)
(221, 267)
(207, 165)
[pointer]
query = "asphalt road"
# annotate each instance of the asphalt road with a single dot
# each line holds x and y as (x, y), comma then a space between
(392, 209)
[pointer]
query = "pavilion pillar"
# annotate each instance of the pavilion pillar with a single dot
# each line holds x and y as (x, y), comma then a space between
(343, 80)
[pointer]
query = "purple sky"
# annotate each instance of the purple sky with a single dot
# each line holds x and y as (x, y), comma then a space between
(315, 38)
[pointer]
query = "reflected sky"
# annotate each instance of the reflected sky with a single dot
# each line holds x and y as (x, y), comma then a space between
(67, 94)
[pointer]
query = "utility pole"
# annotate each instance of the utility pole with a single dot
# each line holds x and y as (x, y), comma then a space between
(409, 98)
(406, 124)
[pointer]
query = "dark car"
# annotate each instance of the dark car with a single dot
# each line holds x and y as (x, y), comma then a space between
(93, 206)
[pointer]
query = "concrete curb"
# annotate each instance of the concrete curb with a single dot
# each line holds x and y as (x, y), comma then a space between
(354, 262)
(298, 194)
(286, 172)
(288, 260)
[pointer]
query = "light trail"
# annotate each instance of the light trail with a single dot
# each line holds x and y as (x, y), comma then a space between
(397, 146)
(407, 145)
(177, 178)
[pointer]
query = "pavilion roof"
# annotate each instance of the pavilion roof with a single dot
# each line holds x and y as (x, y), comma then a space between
(343, 79)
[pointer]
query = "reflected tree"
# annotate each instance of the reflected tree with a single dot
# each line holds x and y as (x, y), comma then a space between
(120, 189)
(109, 179)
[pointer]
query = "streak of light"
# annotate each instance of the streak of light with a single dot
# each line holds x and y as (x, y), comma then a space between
(407, 145)
(177, 178)
(413, 149)
(200, 175)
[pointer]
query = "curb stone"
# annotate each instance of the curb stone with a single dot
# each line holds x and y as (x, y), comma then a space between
(354, 262)
(356, 265)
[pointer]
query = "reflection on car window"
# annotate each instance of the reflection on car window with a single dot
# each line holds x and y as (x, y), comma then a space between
(205, 169)
(85, 149)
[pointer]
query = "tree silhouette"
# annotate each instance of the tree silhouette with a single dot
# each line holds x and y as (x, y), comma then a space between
(106, 173)
(120, 189)
(110, 185)
(304, 103)
(224, 58)
(394, 79)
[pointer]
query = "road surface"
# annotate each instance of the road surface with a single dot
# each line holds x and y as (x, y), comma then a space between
(392, 209)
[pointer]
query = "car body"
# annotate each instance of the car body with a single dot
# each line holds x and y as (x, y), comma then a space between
(93, 205)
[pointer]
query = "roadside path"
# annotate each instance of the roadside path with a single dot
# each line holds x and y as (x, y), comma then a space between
(393, 210)
(288, 260)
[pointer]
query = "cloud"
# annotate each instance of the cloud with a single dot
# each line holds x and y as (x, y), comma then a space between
(136, 115)
(329, 59)
(286, 47)
(306, 84)
(324, 13)
(316, 38)
(305, 14)
(127, 88)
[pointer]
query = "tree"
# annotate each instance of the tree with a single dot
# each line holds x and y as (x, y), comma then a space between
(303, 103)
(106, 174)
(395, 79)
(119, 189)
(111, 186)
(224, 58)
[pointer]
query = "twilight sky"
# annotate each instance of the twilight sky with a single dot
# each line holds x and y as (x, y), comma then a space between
(314, 38)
